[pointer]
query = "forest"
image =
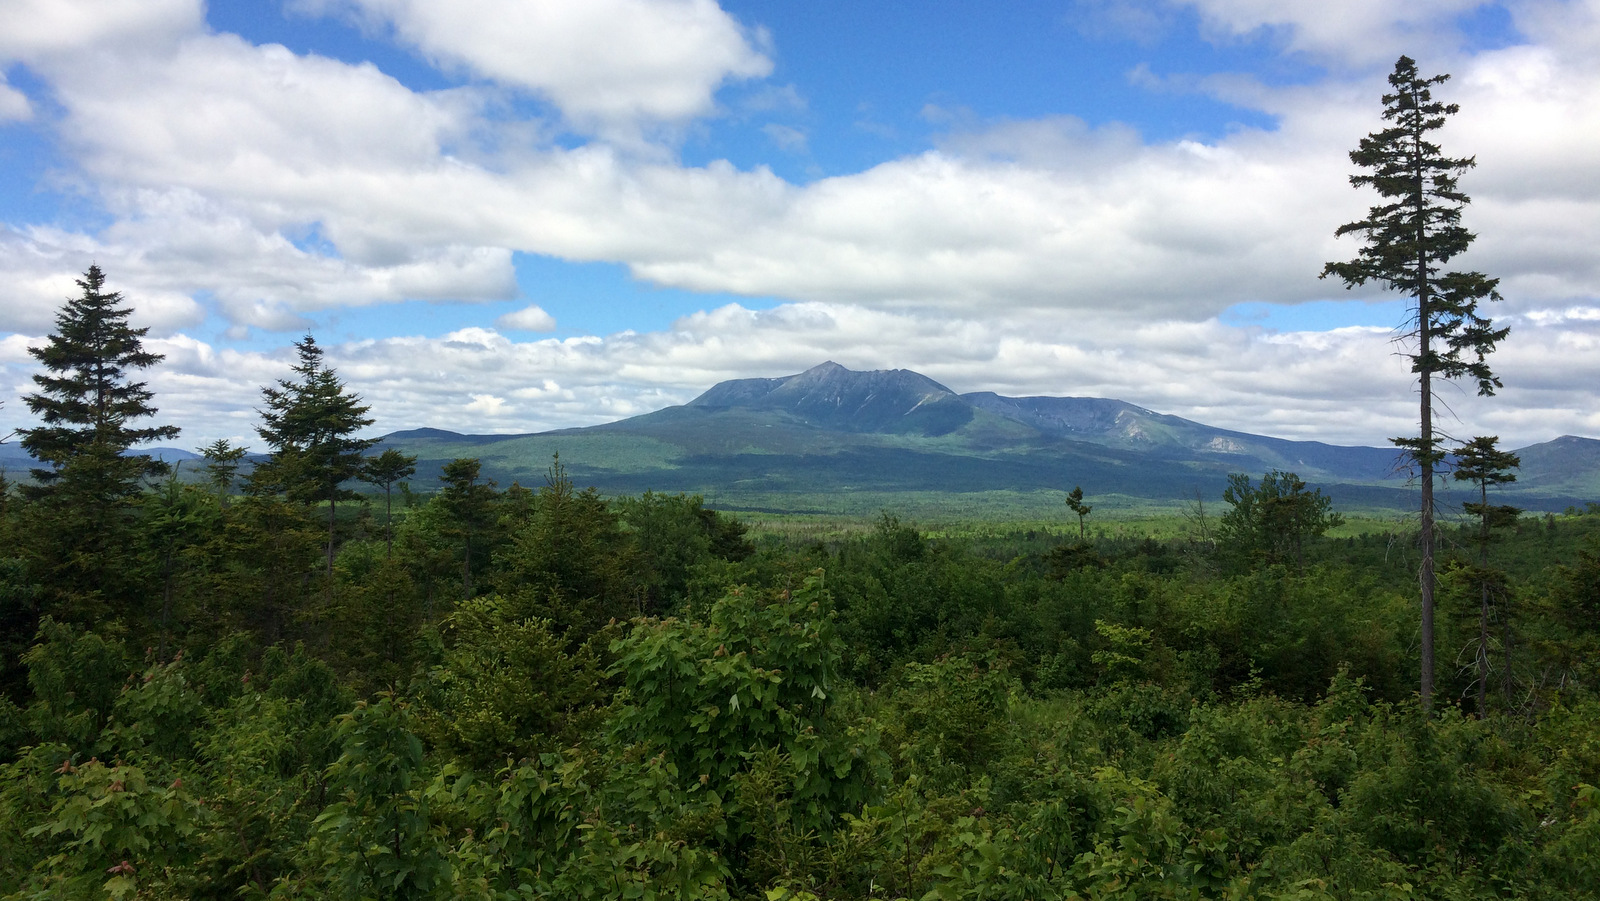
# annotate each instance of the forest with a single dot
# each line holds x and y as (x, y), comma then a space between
(252, 680)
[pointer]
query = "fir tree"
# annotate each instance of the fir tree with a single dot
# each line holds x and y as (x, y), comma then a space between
(310, 423)
(470, 505)
(85, 398)
(1271, 522)
(88, 403)
(1075, 504)
(222, 465)
(1408, 240)
(385, 471)
(1482, 463)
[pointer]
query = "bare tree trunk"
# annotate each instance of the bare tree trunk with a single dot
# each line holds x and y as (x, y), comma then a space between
(1425, 456)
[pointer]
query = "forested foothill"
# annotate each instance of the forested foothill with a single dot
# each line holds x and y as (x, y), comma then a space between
(262, 683)
(294, 677)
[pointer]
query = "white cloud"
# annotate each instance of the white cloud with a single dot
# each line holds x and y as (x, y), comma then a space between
(607, 64)
(486, 405)
(33, 30)
(1354, 31)
(14, 105)
(1345, 386)
(785, 137)
(41, 269)
(1047, 214)
(14, 349)
(1039, 256)
(527, 319)
(184, 246)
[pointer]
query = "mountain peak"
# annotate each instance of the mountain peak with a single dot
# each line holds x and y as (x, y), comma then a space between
(831, 396)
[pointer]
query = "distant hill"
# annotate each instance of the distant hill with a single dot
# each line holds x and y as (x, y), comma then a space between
(15, 460)
(831, 438)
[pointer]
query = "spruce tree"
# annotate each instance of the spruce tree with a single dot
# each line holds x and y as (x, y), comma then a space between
(1409, 238)
(222, 465)
(88, 405)
(310, 423)
(1482, 463)
(470, 506)
(385, 471)
(85, 398)
(1075, 504)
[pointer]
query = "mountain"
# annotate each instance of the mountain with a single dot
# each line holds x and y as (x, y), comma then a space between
(1115, 423)
(839, 440)
(829, 396)
(16, 462)
(835, 440)
(1564, 470)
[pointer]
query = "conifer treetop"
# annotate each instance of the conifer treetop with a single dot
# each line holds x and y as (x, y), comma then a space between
(86, 398)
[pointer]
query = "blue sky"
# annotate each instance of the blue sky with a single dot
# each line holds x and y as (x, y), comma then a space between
(503, 216)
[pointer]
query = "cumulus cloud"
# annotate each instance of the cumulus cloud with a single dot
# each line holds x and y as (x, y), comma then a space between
(1047, 214)
(253, 278)
(35, 30)
(1355, 33)
(41, 272)
(527, 319)
(1346, 386)
(607, 64)
(1076, 259)
(486, 405)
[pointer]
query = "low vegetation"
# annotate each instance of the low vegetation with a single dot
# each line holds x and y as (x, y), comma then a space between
(260, 685)
(546, 693)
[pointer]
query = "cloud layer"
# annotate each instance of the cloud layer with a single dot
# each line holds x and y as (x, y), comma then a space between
(1347, 385)
(608, 65)
(265, 187)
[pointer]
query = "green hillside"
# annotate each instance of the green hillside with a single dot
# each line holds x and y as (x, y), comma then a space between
(831, 440)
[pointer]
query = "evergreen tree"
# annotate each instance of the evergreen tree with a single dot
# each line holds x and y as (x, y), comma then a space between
(177, 519)
(310, 423)
(385, 471)
(88, 404)
(222, 465)
(569, 562)
(1482, 463)
(85, 398)
(1408, 240)
(1273, 520)
(1075, 504)
(470, 506)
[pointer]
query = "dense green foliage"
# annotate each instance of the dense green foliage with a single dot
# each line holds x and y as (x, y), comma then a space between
(513, 693)
(552, 694)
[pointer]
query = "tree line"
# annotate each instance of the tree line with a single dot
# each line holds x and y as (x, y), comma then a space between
(259, 684)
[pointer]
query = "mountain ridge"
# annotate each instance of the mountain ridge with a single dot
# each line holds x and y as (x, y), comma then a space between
(858, 442)
(854, 438)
